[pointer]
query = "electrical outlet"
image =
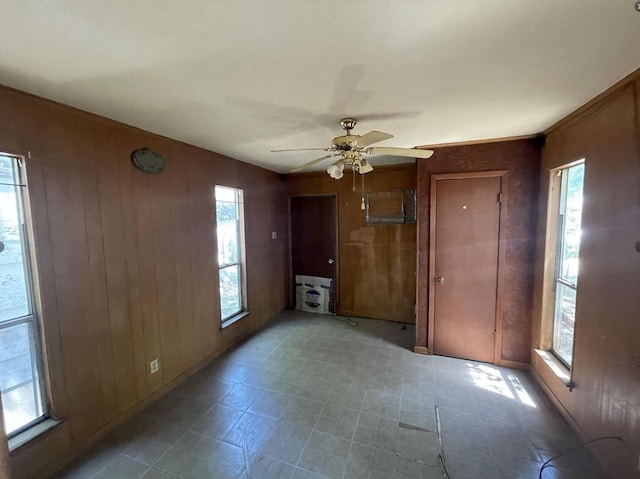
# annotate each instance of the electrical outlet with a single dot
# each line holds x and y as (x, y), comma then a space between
(274, 235)
(153, 366)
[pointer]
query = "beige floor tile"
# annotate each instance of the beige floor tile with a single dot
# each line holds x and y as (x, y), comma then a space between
(309, 397)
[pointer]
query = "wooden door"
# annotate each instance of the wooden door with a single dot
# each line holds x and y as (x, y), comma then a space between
(313, 238)
(465, 251)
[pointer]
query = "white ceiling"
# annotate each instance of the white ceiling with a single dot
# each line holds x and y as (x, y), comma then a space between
(243, 77)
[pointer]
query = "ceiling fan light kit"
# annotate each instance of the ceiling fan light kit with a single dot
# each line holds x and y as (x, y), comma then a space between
(336, 170)
(365, 168)
(352, 150)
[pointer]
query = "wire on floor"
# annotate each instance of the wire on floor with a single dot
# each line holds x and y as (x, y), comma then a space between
(444, 466)
(547, 463)
(441, 459)
(346, 320)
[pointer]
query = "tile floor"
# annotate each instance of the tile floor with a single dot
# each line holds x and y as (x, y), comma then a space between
(311, 397)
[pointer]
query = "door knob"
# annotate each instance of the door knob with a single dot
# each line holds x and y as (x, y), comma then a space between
(331, 261)
(440, 279)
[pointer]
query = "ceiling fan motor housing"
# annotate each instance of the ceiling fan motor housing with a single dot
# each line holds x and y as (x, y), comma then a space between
(345, 142)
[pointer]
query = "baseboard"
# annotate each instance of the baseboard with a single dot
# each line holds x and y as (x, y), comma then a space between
(506, 363)
(421, 350)
(354, 314)
(556, 402)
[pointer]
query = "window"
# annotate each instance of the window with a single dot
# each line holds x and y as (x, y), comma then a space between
(567, 186)
(230, 232)
(20, 376)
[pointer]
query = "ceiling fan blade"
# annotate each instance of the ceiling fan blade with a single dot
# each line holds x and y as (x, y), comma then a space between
(373, 137)
(408, 152)
(311, 163)
(303, 149)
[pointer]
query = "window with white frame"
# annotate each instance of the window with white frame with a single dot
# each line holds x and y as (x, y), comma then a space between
(567, 185)
(230, 233)
(20, 372)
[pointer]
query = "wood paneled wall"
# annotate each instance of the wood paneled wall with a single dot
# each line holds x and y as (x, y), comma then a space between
(376, 264)
(127, 263)
(606, 360)
(522, 160)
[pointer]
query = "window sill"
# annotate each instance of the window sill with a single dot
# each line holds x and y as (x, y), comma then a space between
(556, 366)
(31, 433)
(234, 319)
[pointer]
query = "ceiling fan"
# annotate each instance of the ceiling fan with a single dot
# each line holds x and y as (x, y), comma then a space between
(352, 150)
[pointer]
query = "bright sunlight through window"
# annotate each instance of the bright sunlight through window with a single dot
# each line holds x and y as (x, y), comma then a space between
(230, 233)
(20, 377)
(504, 383)
(570, 180)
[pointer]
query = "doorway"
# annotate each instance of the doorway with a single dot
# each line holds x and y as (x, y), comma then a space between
(314, 239)
(467, 218)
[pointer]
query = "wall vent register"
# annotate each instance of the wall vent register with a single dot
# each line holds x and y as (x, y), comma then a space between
(390, 207)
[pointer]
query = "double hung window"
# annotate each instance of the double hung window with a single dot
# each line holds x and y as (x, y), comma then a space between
(230, 233)
(567, 183)
(20, 372)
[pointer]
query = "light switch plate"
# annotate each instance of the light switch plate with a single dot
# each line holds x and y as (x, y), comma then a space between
(274, 235)
(154, 366)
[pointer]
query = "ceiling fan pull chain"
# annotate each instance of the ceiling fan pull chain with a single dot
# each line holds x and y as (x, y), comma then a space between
(362, 207)
(354, 179)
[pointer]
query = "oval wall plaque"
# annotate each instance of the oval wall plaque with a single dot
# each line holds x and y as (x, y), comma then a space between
(148, 161)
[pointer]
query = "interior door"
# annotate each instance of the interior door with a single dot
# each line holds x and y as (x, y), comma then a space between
(465, 237)
(313, 238)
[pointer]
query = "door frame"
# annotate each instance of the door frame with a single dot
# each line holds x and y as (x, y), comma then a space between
(503, 175)
(336, 280)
